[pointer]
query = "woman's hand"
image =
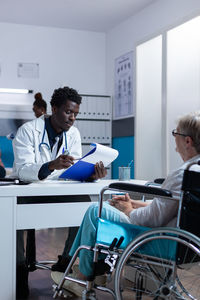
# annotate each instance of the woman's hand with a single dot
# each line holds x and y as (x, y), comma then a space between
(123, 203)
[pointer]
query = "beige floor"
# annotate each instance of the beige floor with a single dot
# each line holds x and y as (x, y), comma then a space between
(49, 244)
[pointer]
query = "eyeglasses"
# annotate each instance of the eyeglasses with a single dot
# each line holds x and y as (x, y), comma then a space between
(174, 133)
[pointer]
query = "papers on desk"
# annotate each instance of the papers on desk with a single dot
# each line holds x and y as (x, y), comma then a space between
(12, 181)
(84, 167)
(8, 181)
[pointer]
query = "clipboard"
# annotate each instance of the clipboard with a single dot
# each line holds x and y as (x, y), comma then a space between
(84, 167)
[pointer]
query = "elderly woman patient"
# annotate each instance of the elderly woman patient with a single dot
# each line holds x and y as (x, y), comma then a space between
(123, 209)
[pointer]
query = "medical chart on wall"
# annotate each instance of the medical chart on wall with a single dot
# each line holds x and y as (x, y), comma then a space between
(28, 70)
(123, 99)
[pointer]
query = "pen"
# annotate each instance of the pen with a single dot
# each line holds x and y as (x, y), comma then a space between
(129, 165)
(66, 152)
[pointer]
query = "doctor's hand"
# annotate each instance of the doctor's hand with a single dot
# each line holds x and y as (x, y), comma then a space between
(100, 172)
(61, 162)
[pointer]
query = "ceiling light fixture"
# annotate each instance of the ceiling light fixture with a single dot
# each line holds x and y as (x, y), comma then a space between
(15, 91)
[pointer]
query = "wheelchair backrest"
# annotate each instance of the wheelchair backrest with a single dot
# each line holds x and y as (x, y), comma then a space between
(190, 209)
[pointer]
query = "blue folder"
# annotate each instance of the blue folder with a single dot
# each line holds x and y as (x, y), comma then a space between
(81, 170)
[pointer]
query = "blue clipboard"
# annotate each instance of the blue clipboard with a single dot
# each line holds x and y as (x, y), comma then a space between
(85, 166)
(81, 170)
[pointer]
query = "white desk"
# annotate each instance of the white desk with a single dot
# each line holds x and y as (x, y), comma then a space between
(15, 216)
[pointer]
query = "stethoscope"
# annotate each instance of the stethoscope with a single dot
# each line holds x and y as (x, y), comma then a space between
(64, 150)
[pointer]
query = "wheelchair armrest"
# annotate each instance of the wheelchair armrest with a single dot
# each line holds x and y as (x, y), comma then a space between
(159, 180)
(128, 187)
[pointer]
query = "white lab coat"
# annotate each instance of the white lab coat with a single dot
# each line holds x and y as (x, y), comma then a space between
(28, 159)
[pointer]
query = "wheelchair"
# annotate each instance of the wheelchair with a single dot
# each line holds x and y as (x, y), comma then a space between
(146, 263)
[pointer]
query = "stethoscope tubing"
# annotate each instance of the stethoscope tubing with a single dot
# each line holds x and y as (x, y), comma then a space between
(47, 146)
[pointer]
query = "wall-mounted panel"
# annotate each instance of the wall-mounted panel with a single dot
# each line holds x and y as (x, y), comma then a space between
(183, 79)
(148, 145)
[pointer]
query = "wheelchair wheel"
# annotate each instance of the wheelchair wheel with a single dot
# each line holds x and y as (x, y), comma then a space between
(163, 263)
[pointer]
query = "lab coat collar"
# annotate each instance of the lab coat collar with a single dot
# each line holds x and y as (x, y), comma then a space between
(40, 127)
(39, 124)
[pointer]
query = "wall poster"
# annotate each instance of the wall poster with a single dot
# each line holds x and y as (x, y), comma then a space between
(28, 70)
(123, 99)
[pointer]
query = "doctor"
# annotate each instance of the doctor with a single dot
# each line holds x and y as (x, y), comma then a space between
(39, 145)
(44, 147)
(47, 145)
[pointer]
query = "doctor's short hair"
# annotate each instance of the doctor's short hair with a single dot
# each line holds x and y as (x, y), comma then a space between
(61, 95)
(190, 125)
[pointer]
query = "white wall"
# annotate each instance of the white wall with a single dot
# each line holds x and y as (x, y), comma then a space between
(148, 119)
(183, 79)
(149, 22)
(153, 20)
(66, 57)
